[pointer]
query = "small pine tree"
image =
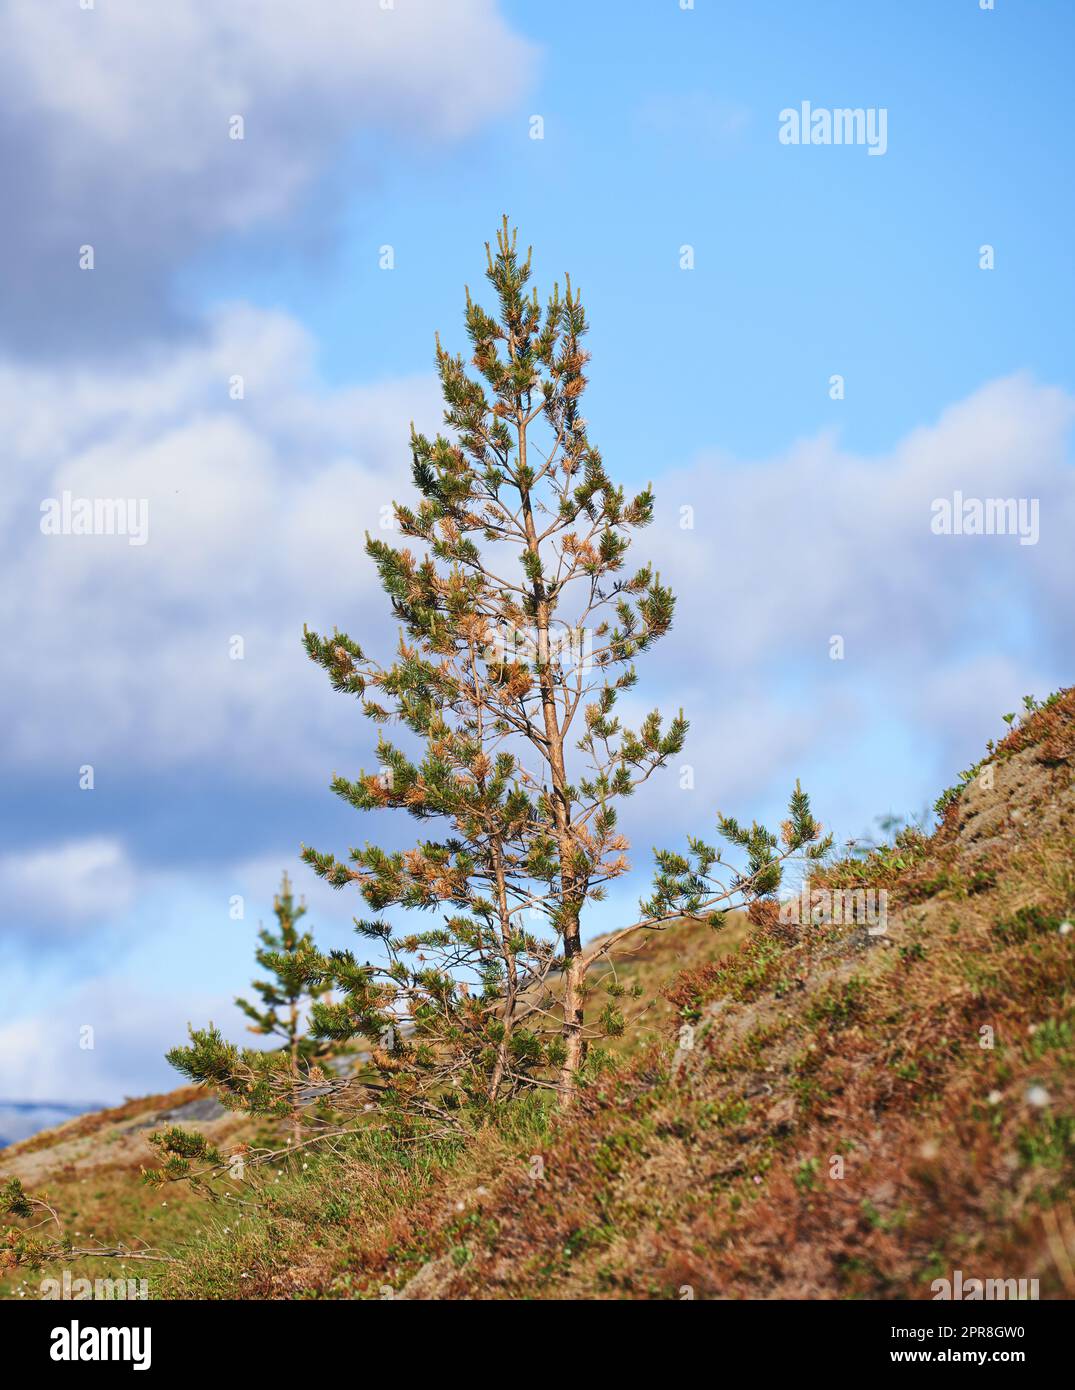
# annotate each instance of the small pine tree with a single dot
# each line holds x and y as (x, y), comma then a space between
(293, 986)
(286, 997)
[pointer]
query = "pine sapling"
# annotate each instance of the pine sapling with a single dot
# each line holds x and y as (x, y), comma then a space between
(274, 1081)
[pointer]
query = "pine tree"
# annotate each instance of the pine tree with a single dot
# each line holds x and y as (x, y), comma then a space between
(512, 657)
(519, 631)
(273, 1081)
(285, 954)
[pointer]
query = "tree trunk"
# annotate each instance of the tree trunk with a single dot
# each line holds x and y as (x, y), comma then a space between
(574, 967)
(573, 1012)
(296, 1121)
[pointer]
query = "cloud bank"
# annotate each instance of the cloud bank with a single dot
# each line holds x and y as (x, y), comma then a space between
(118, 129)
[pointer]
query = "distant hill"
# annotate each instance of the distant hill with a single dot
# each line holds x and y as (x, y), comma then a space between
(21, 1118)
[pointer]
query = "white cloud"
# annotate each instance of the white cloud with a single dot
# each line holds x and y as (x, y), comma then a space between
(790, 551)
(151, 89)
(958, 700)
(942, 634)
(257, 510)
(116, 127)
(45, 1056)
(65, 884)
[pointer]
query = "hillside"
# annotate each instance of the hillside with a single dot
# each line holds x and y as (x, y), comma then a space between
(89, 1170)
(934, 1061)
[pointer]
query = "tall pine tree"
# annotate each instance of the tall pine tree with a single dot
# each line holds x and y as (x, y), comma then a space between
(519, 631)
(513, 653)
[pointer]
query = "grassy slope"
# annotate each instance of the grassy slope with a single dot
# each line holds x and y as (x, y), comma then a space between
(710, 1167)
(89, 1168)
(89, 1171)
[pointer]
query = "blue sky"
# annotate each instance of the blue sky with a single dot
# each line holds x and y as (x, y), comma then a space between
(411, 128)
(659, 130)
